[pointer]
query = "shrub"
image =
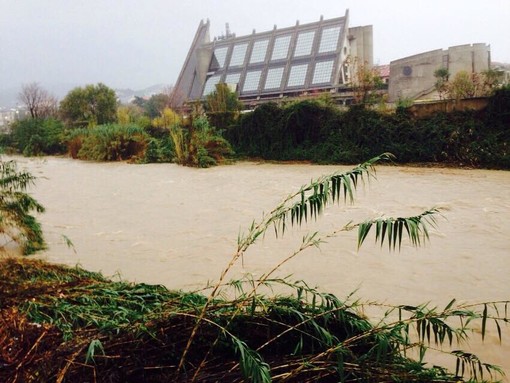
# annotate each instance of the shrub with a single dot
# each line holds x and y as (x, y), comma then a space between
(318, 132)
(199, 145)
(108, 143)
(34, 137)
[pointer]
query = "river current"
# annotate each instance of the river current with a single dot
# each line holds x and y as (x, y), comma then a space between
(178, 226)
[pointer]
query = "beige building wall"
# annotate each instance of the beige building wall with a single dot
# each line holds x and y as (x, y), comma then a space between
(362, 44)
(413, 77)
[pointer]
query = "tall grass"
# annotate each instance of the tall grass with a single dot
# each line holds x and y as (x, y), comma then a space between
(108, 143)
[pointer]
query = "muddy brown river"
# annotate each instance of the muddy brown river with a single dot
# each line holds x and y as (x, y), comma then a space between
(177, 226)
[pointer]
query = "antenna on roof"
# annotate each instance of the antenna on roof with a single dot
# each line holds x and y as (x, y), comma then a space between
(228, 34)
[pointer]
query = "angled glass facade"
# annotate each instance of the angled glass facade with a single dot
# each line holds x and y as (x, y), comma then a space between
(219, 57)
(233, 78)
(251, 83)
(323, 72)
(238, 55)
(329, 39)
(259, 52)
(304, 44)
(271, 64)
(297, 75)
(210, 84)
(274, 78)
(281, 48)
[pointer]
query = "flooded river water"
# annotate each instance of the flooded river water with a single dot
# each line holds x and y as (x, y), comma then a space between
(177, 226)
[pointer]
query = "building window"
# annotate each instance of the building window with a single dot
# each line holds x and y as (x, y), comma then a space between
(220, 54)
(238, 55)
(329, 40)
(251, 82)
(232, 78)
(281, 48)
(210, 84)
(258, 54)
(274, 78)
(407, 70)
(322, 73)
(304, 44)
(297, 75)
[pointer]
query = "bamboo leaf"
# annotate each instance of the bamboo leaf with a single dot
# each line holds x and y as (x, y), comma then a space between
(484, 320)
(449, 305)
(499, 330)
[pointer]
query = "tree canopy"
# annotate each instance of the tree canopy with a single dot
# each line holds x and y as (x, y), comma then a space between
(89, 106)
(37, 100)
(222, 106)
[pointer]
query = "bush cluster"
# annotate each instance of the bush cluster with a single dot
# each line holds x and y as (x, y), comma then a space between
(108, 143)
(315, 131)
(36, 136)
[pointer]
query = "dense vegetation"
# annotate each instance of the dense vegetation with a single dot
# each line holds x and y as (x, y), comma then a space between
(317, 131)
(66, 324)
(69, 325)
(19, 228)
(90, 125)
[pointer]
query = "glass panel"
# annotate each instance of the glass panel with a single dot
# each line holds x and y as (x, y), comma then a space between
(251, 81)
(274, 78)
(297, 75)
(258, 54)
(233, 78)
(322, 72)
(329, 39)
(281, 48)
(221, 54)
(238, 55)
(210, 84)
(304, 44)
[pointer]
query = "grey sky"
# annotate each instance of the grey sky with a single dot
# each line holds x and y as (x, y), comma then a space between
(135, 44)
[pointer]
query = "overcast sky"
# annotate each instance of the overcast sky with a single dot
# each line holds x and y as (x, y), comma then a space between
(135, 44)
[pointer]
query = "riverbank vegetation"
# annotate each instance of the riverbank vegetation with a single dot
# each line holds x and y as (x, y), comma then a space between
(19, 227)
(90, 125)
(317, 131)
(66, 324)
(312, 130)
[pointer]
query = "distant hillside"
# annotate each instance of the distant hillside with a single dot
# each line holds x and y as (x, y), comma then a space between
(127, 95)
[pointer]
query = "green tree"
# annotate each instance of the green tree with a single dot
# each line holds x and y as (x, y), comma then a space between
(462, 86)
(222, 106)
(442, 75)
(89, 106)
(129, 114)
(492, 80)
(155, 105)
(166, 119)
(17, 224)
(365, 81)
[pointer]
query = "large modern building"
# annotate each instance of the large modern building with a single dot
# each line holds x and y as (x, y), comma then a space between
(292, 61)
(306, 59)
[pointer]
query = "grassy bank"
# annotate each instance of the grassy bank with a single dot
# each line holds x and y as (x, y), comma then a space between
(66, 324)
